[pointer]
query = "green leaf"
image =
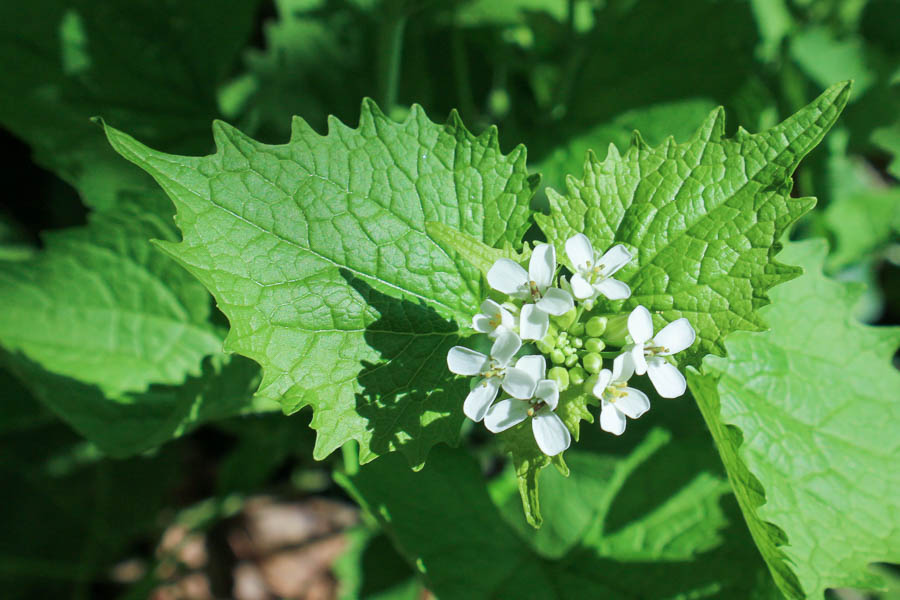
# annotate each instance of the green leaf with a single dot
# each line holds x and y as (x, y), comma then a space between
(129, 423)
(317, 253)
(371, 569)
(472, 250)
(862, 223)
(888, 138)
(625, 524)
(70, 515)
(825, 58)
(100, 305)
(318, 61)
(815, 397)
(678, 118)
(703, 218)
(141, 64)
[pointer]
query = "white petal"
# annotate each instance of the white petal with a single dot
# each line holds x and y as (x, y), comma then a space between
(676, 336)
(506, 414)
(640, 325)
(506, 319)
(464, 361)
(508, 276)
(505, 347)
(542, 265)
(482, 324)
(623, 367)
(533, 364)
(479, 399)
(634, 403)
(637, 358)
(580, 251)
(666, 378)
(580, 287)
(556, 302)
(603, 379)
(611, 419)
(550, 432)
(533, 323)
(615, 258)
(490, 308)
(519, 384)
(548, 391)
(613, 289)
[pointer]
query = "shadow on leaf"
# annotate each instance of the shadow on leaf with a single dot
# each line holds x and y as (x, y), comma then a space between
(409, 399)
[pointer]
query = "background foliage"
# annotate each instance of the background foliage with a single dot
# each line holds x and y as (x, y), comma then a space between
(123, 417)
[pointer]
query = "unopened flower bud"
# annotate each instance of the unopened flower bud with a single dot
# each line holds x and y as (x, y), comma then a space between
(558, 357)
(592, 362)
(589, 383)
(577, 375)
(571, 360)
(565, 321)
(561, 376)
(596, 326)
(547, 344)
(617, 330)
(594, 345)
(577, 329)
(578, 342)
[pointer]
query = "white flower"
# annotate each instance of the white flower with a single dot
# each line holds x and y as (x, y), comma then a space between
(648, 350)
(533, 286)
(593, 276)
(550, 433)
(494, 371)
(491, 318)
(618, 400)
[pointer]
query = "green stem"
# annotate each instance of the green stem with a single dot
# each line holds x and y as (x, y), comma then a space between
(350, 454)
(390, 52)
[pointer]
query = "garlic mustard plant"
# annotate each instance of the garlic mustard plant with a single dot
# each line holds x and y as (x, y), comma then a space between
(558, 318)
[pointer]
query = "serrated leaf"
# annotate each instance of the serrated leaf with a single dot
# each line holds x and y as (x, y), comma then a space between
(816, 400)
(317, 252)
(472, 250)
(100, 305)
(703, 218)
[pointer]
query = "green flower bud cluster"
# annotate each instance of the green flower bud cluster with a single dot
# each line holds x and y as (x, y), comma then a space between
(574, 347)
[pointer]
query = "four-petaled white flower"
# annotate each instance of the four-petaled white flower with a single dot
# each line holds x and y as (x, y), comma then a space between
(494, 371)
(593, 275)
(648, 350)
(533, 286)
(550, 433)
(492, 318)
(619, 400)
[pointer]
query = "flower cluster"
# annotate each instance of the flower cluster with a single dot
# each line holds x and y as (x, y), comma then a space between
(554, 319)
